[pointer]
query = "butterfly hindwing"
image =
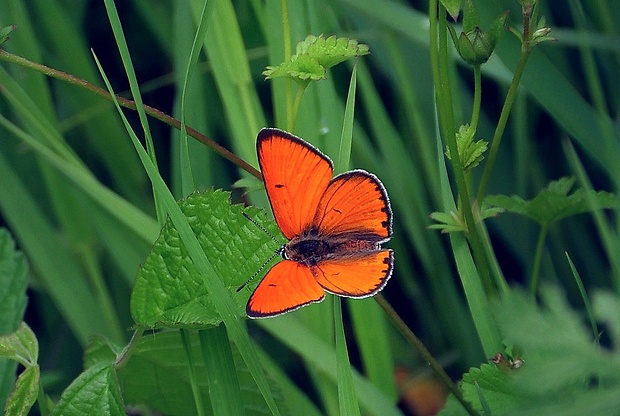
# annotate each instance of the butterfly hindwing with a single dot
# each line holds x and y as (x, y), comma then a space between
(287, 286)
(296, 175)
(355, 276)
(355, 203)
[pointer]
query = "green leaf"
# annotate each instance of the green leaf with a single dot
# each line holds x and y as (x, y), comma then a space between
(314, 56)
(554, 203)
(471, 152)
(25, 393)
(453, 7)
(157, 376)
(170, 292)
(100, 350)
(21, 346)
(563, 372)
(94, 392)
(13, 273)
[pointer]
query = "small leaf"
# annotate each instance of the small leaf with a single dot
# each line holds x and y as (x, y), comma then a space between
(168, 289)
(21, 346)
(471, 152)
(448, 222)
(25, 394)
(94, 392)
(553, 203)
(453, 7)
(314, 56)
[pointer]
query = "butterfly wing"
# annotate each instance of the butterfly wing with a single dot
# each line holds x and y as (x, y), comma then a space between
(296, 175)
(287, 286)
(355, 203)
(355, 276)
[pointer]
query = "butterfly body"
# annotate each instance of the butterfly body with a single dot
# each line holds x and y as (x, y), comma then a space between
(335, 227)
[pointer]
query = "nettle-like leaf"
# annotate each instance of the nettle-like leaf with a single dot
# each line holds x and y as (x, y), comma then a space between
(554, 202)
(471, 152)
(157, 376)
(169, 292)
(314, 56)
(564, 370)
(94, 392)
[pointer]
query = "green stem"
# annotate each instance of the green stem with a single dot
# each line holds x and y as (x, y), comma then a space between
(540, 246)
(415, 342)
(475, 113)
(124, 102)
(439, 62)
(288, 82)
(292, 116)
(125, 355)
(510, 98)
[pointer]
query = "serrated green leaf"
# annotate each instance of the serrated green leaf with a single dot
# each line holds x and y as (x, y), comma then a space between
(25, 393)
(553, 203)
(94, 392)
(168, 290)
(157, 376)
(314, 56)
(560, 361)
(21, 346)
(470, 152)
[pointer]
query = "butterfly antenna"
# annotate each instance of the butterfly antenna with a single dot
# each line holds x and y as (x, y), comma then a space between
(261, 227)
(275, 253)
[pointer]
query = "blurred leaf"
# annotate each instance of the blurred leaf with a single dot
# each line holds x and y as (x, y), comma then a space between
(453, 7)
(157, 376)
(4, 33)
(554, 203)
(25, 393)
(94, 392)
(563, 369)
(170, 292)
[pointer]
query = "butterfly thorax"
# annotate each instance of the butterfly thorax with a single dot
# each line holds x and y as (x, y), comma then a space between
(311, 248)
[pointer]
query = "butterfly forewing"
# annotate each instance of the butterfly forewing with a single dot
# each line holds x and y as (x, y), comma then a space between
(287, 286)
(355, 203)
(356, 276)
(296, 175)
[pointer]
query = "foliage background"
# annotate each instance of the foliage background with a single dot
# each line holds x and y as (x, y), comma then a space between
(84, 259)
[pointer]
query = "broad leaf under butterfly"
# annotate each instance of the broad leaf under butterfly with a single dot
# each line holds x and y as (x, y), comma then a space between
(169, 292)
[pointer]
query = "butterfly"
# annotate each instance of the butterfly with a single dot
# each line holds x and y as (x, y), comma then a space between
(335, 227)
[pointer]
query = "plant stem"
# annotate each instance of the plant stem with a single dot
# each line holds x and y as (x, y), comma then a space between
(540, 246)
(123, 357)
(124, 102)
(415, 342)
(510, 98)
(475, 113)
(439, 61)
(288, 88)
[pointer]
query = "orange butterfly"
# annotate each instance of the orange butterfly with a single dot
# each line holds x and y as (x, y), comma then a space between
(335, 228)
